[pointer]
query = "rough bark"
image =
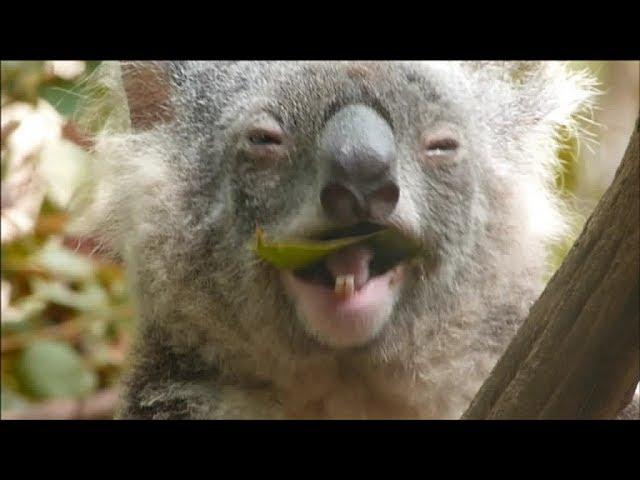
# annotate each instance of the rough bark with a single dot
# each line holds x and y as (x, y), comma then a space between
(577, 355)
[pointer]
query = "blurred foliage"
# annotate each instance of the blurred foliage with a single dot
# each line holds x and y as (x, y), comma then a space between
(66, 315)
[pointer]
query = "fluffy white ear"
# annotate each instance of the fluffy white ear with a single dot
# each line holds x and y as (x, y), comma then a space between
(529, 108)
(124, 101)
(535, 95)
(558, 94)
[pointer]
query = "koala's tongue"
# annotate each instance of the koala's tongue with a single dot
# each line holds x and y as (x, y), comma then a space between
(350, 267)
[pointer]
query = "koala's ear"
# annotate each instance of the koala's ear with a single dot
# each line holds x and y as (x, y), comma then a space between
(550, 91)
(147, 86)
(534, 94)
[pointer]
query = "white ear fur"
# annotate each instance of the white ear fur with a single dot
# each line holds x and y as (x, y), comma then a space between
(122, 101)
(528, 108)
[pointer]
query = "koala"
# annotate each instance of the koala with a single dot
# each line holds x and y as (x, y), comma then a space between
(458, 157)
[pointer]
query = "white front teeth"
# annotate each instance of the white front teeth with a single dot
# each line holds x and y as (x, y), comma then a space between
(345, 285)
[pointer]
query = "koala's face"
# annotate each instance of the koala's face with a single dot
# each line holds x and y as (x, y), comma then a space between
(327, 150)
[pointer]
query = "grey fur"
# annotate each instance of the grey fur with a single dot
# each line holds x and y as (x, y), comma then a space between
(218, 337)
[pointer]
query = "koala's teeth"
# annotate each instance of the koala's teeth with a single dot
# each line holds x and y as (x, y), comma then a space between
(345, 285)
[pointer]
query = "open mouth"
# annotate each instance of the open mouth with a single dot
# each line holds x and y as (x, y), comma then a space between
(350, 268)
(346, 295)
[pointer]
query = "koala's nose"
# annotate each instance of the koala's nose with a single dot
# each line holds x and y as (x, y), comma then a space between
(357, 149)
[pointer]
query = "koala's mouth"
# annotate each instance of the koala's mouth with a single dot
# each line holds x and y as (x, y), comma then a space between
(349, 269)
(346, 298)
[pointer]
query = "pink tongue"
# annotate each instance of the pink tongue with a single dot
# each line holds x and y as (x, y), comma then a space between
(352, 260)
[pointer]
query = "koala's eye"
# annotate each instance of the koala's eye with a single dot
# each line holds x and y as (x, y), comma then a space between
(265, 142)
(262, 136)
(440, 147)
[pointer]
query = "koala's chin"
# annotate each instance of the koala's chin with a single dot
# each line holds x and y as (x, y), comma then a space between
(343, 320)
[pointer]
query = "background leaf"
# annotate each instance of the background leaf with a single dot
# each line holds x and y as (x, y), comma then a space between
(53, 369)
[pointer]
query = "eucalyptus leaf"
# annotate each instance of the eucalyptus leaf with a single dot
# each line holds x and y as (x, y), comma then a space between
(10, 400)
(61, 97)
(300, 253)
(293, 254)
(63, 166)
(62, 262)
(48, 369)
(91, 298)
(16, 317)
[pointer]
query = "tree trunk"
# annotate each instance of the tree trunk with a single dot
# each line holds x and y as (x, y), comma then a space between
(577, 355)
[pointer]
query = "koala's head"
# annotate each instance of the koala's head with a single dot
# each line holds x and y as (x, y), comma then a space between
(454, 157)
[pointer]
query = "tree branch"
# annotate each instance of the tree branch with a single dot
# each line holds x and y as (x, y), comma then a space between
(577, 355)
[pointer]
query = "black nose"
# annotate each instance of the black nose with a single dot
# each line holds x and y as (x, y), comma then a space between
(358, 150)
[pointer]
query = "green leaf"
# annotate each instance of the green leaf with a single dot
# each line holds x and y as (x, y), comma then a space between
(394, 247)
(16, 318)
(62, 262)
(49, 369)
(92, 298)
(300, 253)
(63, 166)
(10, 400)
(61, 97)
(294, 254)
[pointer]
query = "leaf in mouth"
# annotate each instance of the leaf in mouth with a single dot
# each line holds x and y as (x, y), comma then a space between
(300, 253)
